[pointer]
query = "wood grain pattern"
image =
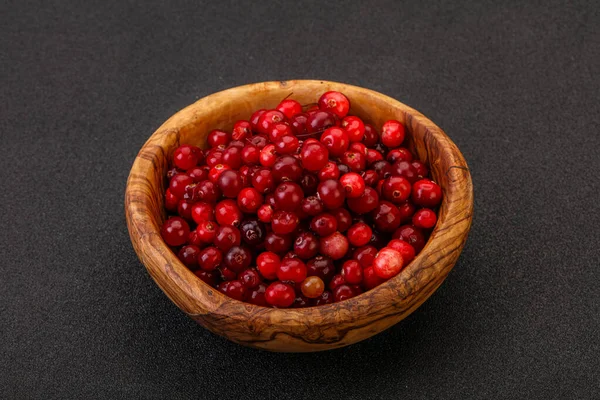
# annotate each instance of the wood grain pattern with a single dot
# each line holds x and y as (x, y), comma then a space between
(315, 328)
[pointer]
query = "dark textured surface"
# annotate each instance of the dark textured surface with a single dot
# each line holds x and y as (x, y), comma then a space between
(516, 87)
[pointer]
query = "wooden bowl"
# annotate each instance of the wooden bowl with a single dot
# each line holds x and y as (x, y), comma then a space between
(315, 328)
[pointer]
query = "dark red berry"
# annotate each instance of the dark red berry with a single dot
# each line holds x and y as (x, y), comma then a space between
(178, 184)
(365, 255)
(359, 234)
(399, 154)
(256, 295)
(268, 264)
(253, 232)
(186, 156)
(320, 120)
(306, 245)
(210, 258)
(386, 217)
(265, 213)
(426, 193)
(278, 243)
(407, 251)
(392, 133)
(237, 258)
(289, 107)
(286, 168)
(365, 203)
(343, 292)
(334, 246)
(335, 102)
(335, 140)
(352, 272)
(207, 277)
(234, 289)
(355, 128)
(406, 170)
(175, 231)
(227, 212)
(329, 171)
(217, 138)
(312, 205)
(324, 224)
(202, 211)
(280, 294)
(291, 269)
(227, 237)
(288, 196)
(255, 117)
(189, 256)
(412, 235)
(206, 231)
(354, 184)
(331, 193)
(314, 156)
(249, 200)
(370, 279)
(322, 267)
(396, 189)
(371, 137)
(284, 222)
(425, 218)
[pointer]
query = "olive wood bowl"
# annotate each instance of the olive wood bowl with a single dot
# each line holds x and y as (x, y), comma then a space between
(314, 328)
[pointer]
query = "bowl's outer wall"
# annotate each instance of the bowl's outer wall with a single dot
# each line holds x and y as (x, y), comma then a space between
(315, 328)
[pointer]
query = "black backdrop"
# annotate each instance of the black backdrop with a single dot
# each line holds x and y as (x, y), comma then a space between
(515, 86)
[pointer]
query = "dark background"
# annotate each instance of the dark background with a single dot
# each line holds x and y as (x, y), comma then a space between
(515, 86)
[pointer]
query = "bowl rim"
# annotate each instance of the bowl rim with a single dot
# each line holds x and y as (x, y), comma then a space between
(207, 300)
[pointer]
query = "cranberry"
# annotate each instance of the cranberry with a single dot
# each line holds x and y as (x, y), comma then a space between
(287, 168)
(325, 298)
(278, 243)
(324, 224)
(291, 269)
(425, 218)
(202, 211)
(269, 119)
(186, 156)
(210, 258)
(213, 157)
(371, 137)
(370, 177)
(207, 277)
(255, 117)
(230, 183)
(406, 170)
(407, 209)
(217, 138)
(263, 181)
(359, 234)
(259, 141)
(359, 148)
(336, 141)
(388, 263)
(352, 272)
(355, 128)
(383, 168)
(189, 256)
(396, 189)
(175, 231)
(354, 184)
(287, 144)
(373, 156)
(284, 222)
(331, 193)
(250, 154)
(334, 246)
(178, 184)
(335, 102)
(236, 143)
(356, 161)
(320, 120)
(215, 172)
(322, 267)
(268, 264)
(257, 295)
(250, 278)
(265, 213)
(336, 281)
(249, 200)
(253, 232)
(411, 235)
(426, 193)
(386, 217)
(392, 133)
(288, 196)
(329, 171)
(280, 294)
(407, 251)
(370, 279)
(184, 209)
(365, 203)
(343, 292)
(422, 170)
(171, 201)
(365, 255)
(208, 192)
(312, 287)
(228, 213)
(289, 107)
(234, 289)
(206, 231)
(343, 218)
(314, 156)
(311, 205)
(227, 237)
(227, 274)
(306, 245)
(267, 156)
(237, 258)
(399, 154)
(309, 184)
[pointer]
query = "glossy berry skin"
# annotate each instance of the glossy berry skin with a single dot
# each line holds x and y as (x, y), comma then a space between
(298, 123)
(392, 133)
(278, 243)
(371, 137)
(331, 193)
(388, 263)
(312, 205)
(329, 171)
(322, 267)
(250, 278)
(249, 199)
(227, 212)
(399, 154)
(320, 120)
(291, 269)
(227, 274)
(213, 157)
(365, 203)
(352, 272)
(355, 128)
(256, 295)
(202, 211)
(426, 193)
(407, 251)
(314, 156)
(279, 294)
(355, 160)
(373, 156)
(206, 231)
(186, 156)
(217, 137)
(234, 289)
(343, 292)
(354, 184)
(425, 218)
(230, 183)
(255, 117)
(269, 119)
(306, 245)
(184, 209)
(265, 213)
(227, 237)
(421, 168)
(335, 102)
(287, 144)
(359, 148)
(175, 231)
(210, 258)
(253, 232)
(241, 130)
(312, 287)
(343, 218)
(237, 258)
(263, 180)
(267, 156)
(189, 256)
(336, 281)
(284, 222)
(208, 192)
(178, 184)
(386, 217)
(250, 154)
(412, 235)
(365, 255)
(289, 107)
(359, 234)
(198, 174)
(309, 184)
(215, 172)
(370, 177)
(407, 210)
(268, 264)
(287, 168)
(370, 279)
(171, 201)
(324, 224)
(335, 140)
(288, 196)
(208, 277)
(406, 170)
(334, 246)
(396, 189)
(325, 298)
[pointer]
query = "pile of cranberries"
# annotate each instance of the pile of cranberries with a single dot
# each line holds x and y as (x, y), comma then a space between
(300, 205)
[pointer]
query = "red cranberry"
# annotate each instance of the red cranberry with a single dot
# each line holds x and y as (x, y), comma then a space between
(255, 117)
(259, 141)
(202, 212)
(407, 209)
(291, 269)
(208, 277)
(186, 156)
(411, 235)
(371, 137)
(232, 156)
(287, 168)
(250, 154)
(265, 213)
(343, 218)
(175, 231)
(287, 144)
(230, 183)
(249, 200)
(355, 128)
(171, 201)
(184, 209)
(335, 140)
(383, 168)
(324, 224)
(206, 231)
(284, 222)
(289, 107)
(210, 258)
(312, 205)
(306, 245)
(257, 295)
(278, 243)
(227, 274)
(386, 217)
(314, 156)
(280, 294)
(406, 170)
(407, 251)
(334, 246)
(241, 130)
(263, 180)
(335, 102)
(320, 120)
(343, 292)
(359, 148)
(422, 170)
(189, 256)
(253, 232)
(426, 193)
(359, 234)
(365, 203)
(325, 298)
(208, 192)
(396, 189)
(298, 123)
(354, 184)
(399, 154)
(356, 161)
(388, 263)
(370, 279)
(329, 171)
(301, 301)
(213, 157)
(336, 281)
(370, 177)
(322, 267)
(352, 272)
(227, 237)
(250, 278)
(228, 213)
(270, 200)
(288, 196)
(424, 218)
(267, 156)
(215, 172)
(178, 184)
(331, 193)
(237, 258)
(309, 184)
(237, 143)
(234, 289)
(392, 133)
(217, 138)
(365, 255)
(373, 156)
(269, 119)
(268, 264)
